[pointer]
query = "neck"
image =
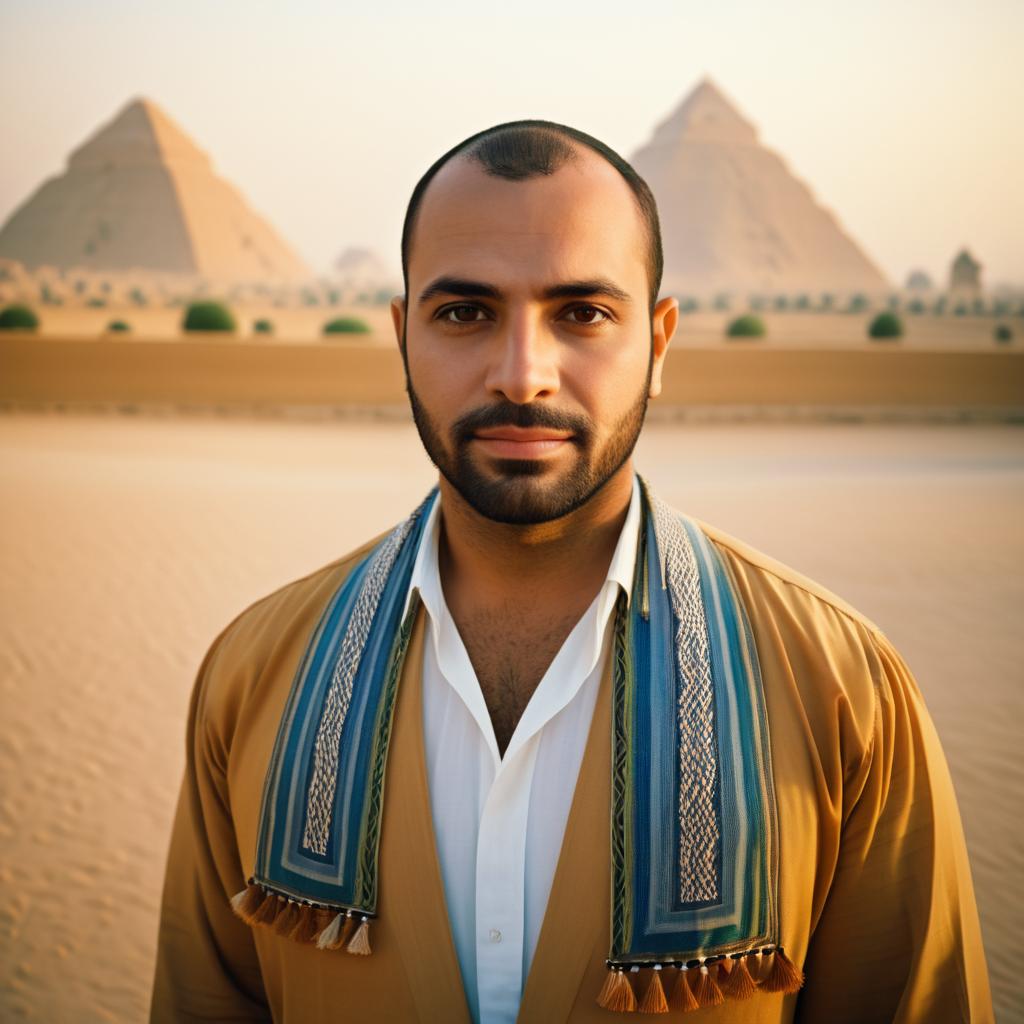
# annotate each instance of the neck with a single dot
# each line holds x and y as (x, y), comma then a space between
(497, 561)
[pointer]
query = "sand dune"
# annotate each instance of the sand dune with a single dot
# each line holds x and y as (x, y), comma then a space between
(129, 542)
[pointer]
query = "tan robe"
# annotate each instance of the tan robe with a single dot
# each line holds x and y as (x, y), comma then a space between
(876, 899)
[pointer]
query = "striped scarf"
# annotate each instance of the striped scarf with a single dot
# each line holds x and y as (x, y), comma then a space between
(694, 836)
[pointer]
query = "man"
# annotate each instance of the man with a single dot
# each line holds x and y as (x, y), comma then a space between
(569, 752)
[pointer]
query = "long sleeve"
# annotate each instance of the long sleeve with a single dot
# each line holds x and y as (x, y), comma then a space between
(898, 938)
(207, 967)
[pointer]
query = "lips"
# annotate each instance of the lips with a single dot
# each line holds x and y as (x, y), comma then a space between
(509, 442)
(522, 434)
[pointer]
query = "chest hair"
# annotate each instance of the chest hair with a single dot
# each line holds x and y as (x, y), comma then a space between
(510, 651)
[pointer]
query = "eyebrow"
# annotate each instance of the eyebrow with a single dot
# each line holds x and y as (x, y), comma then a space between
(482, 290)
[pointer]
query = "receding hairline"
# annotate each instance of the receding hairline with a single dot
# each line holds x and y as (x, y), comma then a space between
(576, 153)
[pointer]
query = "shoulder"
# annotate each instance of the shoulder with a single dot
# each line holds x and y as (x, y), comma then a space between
(253, 657)
(786, 595)
(824, 663)
(790, 584)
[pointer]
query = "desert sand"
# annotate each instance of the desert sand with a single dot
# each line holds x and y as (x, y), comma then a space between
(129, 542)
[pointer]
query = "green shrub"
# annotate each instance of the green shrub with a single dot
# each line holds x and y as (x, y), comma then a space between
(346, 325)
(17, 317)
(886, 325)
(97, 303)
(118, 326)
(746, 326)
(208, 316)
(1003, 334)
(263, 326)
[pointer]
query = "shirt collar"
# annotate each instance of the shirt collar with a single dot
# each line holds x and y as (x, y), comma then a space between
(426, 577)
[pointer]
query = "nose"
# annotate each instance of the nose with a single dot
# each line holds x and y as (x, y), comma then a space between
(524, 361)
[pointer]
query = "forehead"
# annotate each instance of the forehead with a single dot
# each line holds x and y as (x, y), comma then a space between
(580, 222)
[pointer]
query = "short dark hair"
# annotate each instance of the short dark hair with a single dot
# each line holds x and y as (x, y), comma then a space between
(517, 150)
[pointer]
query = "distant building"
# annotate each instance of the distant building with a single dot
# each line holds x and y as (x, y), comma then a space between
(965, 276)
(919, 281)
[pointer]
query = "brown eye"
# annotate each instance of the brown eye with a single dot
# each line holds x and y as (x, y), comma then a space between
(463, 314)
(588, 315)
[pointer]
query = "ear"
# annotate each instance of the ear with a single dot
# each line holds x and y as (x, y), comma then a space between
(664, 321)
(398, 318)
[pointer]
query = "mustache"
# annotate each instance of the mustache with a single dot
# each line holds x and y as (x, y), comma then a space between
(509, 414)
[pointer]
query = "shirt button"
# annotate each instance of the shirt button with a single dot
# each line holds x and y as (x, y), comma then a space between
(494, 935)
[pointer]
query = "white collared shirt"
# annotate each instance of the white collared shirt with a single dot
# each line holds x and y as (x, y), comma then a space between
(499, 822)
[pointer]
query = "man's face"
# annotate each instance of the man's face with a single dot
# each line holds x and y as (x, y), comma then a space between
(530, 351)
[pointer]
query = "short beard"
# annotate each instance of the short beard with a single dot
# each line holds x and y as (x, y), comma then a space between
(516, 494)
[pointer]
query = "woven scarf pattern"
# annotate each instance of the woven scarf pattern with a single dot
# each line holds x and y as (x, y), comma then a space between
(693, 837)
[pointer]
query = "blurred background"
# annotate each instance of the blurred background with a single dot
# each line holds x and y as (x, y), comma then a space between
(200, 398)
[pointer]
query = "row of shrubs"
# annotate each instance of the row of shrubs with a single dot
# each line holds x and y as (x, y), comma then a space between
(883, 326)
(858, 303)
(200, 316)
(213, 316)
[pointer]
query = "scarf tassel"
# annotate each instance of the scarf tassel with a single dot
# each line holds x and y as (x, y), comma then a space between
(783, 976)
(697, 984)
(654, 1000)
(739, 984)
(682, 995)
(303, 922)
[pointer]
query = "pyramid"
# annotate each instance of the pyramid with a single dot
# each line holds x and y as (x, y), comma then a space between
(734, 218)
(139, 194)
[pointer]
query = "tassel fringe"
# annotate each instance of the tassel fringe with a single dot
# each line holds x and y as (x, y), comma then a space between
(783, 975)
(698, 983)
(710, 981)
(330, 936)
(617, 993)
(303, 922)
(682, 995)
(604, 997)
(360, 942)
(705, 988)
(739, 984)
(247, 902)
(654, 998)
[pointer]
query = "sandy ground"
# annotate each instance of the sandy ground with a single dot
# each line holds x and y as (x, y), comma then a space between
(129, 542)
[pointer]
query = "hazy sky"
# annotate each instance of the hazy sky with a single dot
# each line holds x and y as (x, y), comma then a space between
(905, 118)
